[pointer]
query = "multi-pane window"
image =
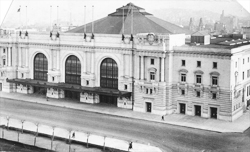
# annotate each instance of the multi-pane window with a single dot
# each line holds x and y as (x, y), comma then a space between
(152, 76)
(182, 92)
(198, 79)
(4, 61)
(3, 50)
(183, 63)
(243, 75)
(152, 61)
(213, 95)
(198, 94)
(73, 70)
(198, 64)
(215, 65)
(243, 61)
(109, 74)
(40, 67)
(125, 87)
(214, 80)
(183, 77)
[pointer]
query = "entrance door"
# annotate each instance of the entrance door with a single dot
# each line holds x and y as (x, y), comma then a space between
(72, 94)
(40, 90)
(213, 112)
(148, 106)
(182, 108)
(108, 99)
(197, 110)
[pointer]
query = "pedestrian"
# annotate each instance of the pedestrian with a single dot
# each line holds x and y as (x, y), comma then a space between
(130, 146)
(73, 135)
(47, 98)
(162, 118)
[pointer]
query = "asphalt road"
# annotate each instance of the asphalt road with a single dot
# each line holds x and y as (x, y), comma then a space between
(167, 137)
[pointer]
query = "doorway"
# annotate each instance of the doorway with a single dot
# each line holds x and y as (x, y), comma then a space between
(72, 94)
(182, 108)
(40, 90)
(112, 100)
(197, 111)
(148, 107)
(213, 112)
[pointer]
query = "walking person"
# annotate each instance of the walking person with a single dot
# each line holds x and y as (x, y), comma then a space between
(73, 135)
(47, 98)
(162, 118)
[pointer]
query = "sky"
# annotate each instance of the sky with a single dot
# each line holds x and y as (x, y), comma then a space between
(101, 9)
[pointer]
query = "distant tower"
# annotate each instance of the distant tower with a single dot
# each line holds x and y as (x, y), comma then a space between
(222, 16)
(201, 25)
(191, 25)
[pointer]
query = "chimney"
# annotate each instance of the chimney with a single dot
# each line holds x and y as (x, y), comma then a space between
(201, 25)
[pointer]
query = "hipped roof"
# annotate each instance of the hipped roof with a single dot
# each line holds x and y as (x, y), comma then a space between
(142, 22)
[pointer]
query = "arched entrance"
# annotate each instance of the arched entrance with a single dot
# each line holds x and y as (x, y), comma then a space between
(40, 71)
(108, 79)
(72, 76)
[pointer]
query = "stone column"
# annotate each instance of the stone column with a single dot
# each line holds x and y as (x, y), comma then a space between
(92, 62)
(9, 56)
(162, 69)
(27, 57)
(124, 63)
(20, 56)
(58, 60)
(142, 67)
(131, 64)
(85, 62)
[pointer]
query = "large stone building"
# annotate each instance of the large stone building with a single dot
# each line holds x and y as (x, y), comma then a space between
(154, 70)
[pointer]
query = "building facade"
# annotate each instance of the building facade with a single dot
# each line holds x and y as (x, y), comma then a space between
(146, 72)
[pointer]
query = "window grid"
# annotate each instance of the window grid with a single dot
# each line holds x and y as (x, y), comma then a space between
(109, 74)
(73, 70)
(40, 67)
(183, 63)
(214, 80)
(198, 79)
(152, 76)
(198, 64)
(183, 77)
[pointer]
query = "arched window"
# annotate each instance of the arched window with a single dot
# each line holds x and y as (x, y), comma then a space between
(109, 74)
(73, 70)
(40, 67)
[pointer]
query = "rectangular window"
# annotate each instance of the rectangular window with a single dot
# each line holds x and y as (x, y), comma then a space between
(53, 78)
(182, 92)
(146, 91)
(214, 65)
(214, 80)
(198, 94)
(22, 75)
(3, 50)
(198, 64)
(183, 63)
(183, 77)
(198, 79)
(4, 61)
(125, 87)
(152, 61)
(152, 76)
(248, 59)
(243, 61)
(87, 82)
(213, 95)
(151, 91)
(243, 75)
(236, 64)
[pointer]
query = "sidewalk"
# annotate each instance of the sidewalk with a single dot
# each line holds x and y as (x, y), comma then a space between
(240, 125)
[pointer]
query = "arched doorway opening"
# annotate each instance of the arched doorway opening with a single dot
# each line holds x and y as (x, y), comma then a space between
(72, 76)
(40, 72)
(109, 79)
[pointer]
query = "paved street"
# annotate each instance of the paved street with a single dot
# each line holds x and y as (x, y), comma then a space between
(167, 137)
